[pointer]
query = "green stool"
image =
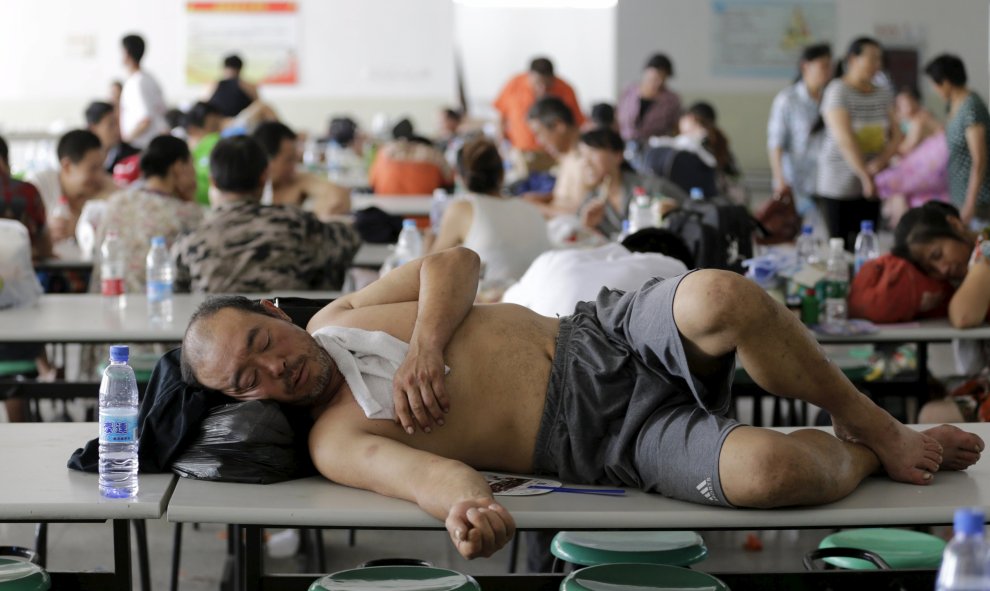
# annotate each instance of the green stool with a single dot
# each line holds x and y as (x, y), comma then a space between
(897, 549)
(675, 548)
(20, 574)
(396, 578)
(17, 368)
(639, 577)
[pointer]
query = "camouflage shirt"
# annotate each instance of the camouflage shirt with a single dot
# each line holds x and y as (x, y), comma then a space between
(251, 248)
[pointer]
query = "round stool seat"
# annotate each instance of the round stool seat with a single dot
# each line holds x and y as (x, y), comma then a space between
(677, 548)
(900, 548)
(398, 578)
(20, 575)
(639, 577)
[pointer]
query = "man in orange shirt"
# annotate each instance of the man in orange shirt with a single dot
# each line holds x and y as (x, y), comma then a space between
(519, 95)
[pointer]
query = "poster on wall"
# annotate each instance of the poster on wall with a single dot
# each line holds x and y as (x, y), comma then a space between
(264, 34)
(764, 38)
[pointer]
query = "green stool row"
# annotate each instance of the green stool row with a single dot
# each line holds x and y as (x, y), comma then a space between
(18, 572)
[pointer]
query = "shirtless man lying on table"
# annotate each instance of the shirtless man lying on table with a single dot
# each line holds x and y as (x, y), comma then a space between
(631, 390)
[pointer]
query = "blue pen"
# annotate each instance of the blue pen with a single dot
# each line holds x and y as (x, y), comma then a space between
(611, 492)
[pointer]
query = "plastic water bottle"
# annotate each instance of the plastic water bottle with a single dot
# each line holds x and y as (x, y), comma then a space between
(161, 275)
(410, 244)
(807, 246)
(640, 215)
(964, 562)
(118, 427)
(836, 283)
(626, 231)
(867, 245)
(437, 206)
(335, 161)
(112, 264)
(697, 193)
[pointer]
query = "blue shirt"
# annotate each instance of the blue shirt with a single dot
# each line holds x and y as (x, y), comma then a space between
(793, 114)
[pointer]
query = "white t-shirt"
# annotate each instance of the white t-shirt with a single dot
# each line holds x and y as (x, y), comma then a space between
(559, 279)
(49, 186)
(142, 98)
(508, 234)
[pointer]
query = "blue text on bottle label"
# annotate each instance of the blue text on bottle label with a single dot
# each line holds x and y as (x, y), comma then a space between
(159, 291)
(114, 429)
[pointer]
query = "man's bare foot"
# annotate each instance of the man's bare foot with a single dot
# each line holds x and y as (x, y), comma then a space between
(905, 454)
(960, 449)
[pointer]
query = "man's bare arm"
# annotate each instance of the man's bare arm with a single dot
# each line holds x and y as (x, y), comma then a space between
(447, 489)
(444, 285)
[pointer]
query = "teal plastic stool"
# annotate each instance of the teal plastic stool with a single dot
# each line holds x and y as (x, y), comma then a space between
(22, 575)
(640, 577)
(674, 548)
(396, 578)
(898, 548)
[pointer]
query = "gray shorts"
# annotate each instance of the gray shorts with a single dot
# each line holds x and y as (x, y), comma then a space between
(622, 406)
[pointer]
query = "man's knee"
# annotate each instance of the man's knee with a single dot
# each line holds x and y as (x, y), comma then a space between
(710, 300)
(763, 470)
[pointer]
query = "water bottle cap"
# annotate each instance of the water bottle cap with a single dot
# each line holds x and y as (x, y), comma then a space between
(866, 226)
(119, 352)
(158, 241)
(697, 193)
(625, 225)
(408, 223)
(968, 520)
(807, 229)
(639, 191)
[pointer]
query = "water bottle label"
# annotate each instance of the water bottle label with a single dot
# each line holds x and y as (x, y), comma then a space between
(112, 287)
(159, 291)
(118, 429)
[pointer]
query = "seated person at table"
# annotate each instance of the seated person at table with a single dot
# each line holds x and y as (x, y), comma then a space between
(246, 247)
(613, 183)
(202, 124)
(409, 165)
(288, 186)
(232, 94)
(507, 233)
(102, 119)
(631, 390)
(163, 205)
(21, 201)
(78, 178)
(559, 279)
(935, 239)
(557, 132)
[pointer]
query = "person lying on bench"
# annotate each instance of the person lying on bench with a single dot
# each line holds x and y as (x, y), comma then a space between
(631, 390)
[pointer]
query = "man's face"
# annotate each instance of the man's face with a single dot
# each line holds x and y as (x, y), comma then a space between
(213, 123)
(108, 130)
(251, 356)
(84, 178)
(185, 182)
(817, 72)
(552, 138)
(540, 84)
(282, 166)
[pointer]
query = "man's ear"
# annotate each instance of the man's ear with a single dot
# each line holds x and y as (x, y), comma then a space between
(274, 310)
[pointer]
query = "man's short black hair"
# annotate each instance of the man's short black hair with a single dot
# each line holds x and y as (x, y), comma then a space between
(237, 163)
(660, 62)
(207, 310)
(947, 67)
(270, 136)
(661, 241)
(550, 110)
(96, 111)
(342, 131)
(233, 62)
(4, 151)
(197, 114)
(162, 152)
(603, 114)
(542, 66)
(134, 46)
(76, 144)
(403, 130)
(704, 111)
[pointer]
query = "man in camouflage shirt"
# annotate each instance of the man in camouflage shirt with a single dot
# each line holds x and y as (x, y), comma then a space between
(246, 247)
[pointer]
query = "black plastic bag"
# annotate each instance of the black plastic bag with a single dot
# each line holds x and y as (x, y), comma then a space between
(249, 442)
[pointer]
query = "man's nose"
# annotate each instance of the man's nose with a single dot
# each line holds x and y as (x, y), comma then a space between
(275, 364)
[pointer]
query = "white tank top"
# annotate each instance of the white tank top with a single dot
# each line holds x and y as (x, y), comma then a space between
(507, 233)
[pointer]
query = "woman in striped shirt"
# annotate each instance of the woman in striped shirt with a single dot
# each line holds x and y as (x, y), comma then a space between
(861, 136)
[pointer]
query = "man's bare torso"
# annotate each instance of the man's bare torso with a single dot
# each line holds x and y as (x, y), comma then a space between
(500, 359)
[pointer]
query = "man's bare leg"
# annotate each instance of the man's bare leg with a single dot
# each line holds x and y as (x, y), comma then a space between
(718, 313)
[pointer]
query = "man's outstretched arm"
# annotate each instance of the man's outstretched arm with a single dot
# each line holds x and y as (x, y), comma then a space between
(447, 489)
(444, 285)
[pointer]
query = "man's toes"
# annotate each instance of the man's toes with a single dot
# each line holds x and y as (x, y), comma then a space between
(929, 466)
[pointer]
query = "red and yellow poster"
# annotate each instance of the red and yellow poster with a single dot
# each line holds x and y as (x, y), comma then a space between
(264, 34)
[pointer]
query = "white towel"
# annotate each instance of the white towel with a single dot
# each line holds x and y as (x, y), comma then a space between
(368, 360)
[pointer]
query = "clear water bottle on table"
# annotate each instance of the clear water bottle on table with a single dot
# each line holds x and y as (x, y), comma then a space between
(964, 562)
(867, 245)
(118, 463)
(112, 264)
(836, 283)
(160, 280)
